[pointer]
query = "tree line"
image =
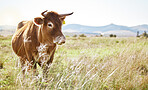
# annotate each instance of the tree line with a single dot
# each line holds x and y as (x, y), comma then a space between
(142, 35)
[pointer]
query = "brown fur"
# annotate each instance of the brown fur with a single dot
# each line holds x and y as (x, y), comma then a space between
(31, 36)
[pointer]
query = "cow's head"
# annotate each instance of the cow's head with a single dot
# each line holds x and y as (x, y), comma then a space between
(51, 25)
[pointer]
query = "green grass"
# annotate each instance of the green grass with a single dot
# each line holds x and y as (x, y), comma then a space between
(95, 63)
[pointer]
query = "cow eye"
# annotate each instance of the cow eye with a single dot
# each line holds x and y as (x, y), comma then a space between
(50, 25)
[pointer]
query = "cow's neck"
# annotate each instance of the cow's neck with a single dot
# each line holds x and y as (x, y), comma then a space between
(42, 38)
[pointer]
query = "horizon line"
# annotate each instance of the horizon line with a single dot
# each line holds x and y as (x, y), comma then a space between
(86, 25)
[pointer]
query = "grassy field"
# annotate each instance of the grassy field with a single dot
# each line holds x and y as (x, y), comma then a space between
(96, 63)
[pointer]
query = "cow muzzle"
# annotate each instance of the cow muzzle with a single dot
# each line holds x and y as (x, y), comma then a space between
(59, 40)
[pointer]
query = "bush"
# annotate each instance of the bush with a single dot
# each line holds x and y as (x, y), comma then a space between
(1, 65)
(74, 35)
(82, 35)
(145, 34)
(101, 35)
(112, 35)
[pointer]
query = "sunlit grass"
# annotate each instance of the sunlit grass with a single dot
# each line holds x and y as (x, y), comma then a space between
(84, 63)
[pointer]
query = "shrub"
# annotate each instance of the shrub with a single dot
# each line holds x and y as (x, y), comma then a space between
(112, 35)
(75, 35)
(82, 35)
(1, 65)
(145, 34)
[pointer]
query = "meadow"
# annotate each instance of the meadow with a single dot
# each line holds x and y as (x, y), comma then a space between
(83, 63)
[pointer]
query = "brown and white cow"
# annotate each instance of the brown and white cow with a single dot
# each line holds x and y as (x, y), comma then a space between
(35, 41)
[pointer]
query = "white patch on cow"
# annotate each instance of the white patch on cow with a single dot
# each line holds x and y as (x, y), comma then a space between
(42, 53)
(42, 49)
(26, 39)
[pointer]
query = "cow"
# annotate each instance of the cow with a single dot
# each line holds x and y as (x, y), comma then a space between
(35, 41)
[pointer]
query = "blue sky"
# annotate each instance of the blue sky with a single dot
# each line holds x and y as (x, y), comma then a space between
(86, 12)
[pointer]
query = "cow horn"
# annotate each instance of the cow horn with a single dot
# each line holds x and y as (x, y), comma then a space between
(43, 13)
(63, 15)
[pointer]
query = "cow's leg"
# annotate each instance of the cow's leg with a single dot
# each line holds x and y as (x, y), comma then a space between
(45, 71)
(45, 68)
(22, 61)
(31, 64)
(28, 50)
(47, 65)
(34, 67)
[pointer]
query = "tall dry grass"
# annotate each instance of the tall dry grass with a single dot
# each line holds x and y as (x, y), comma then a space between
(85, 63)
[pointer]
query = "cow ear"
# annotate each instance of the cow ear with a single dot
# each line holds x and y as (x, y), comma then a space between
(62, 18)
(38, 20)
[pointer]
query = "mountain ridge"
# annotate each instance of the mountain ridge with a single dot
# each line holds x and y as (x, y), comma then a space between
(107, 29)
(84, 29)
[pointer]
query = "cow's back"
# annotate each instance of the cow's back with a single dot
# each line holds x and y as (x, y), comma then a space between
(21, 24)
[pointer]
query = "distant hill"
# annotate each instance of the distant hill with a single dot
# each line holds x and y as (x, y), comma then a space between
(77, 29)
(141, 28)
(119, 30)
(6, 30)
